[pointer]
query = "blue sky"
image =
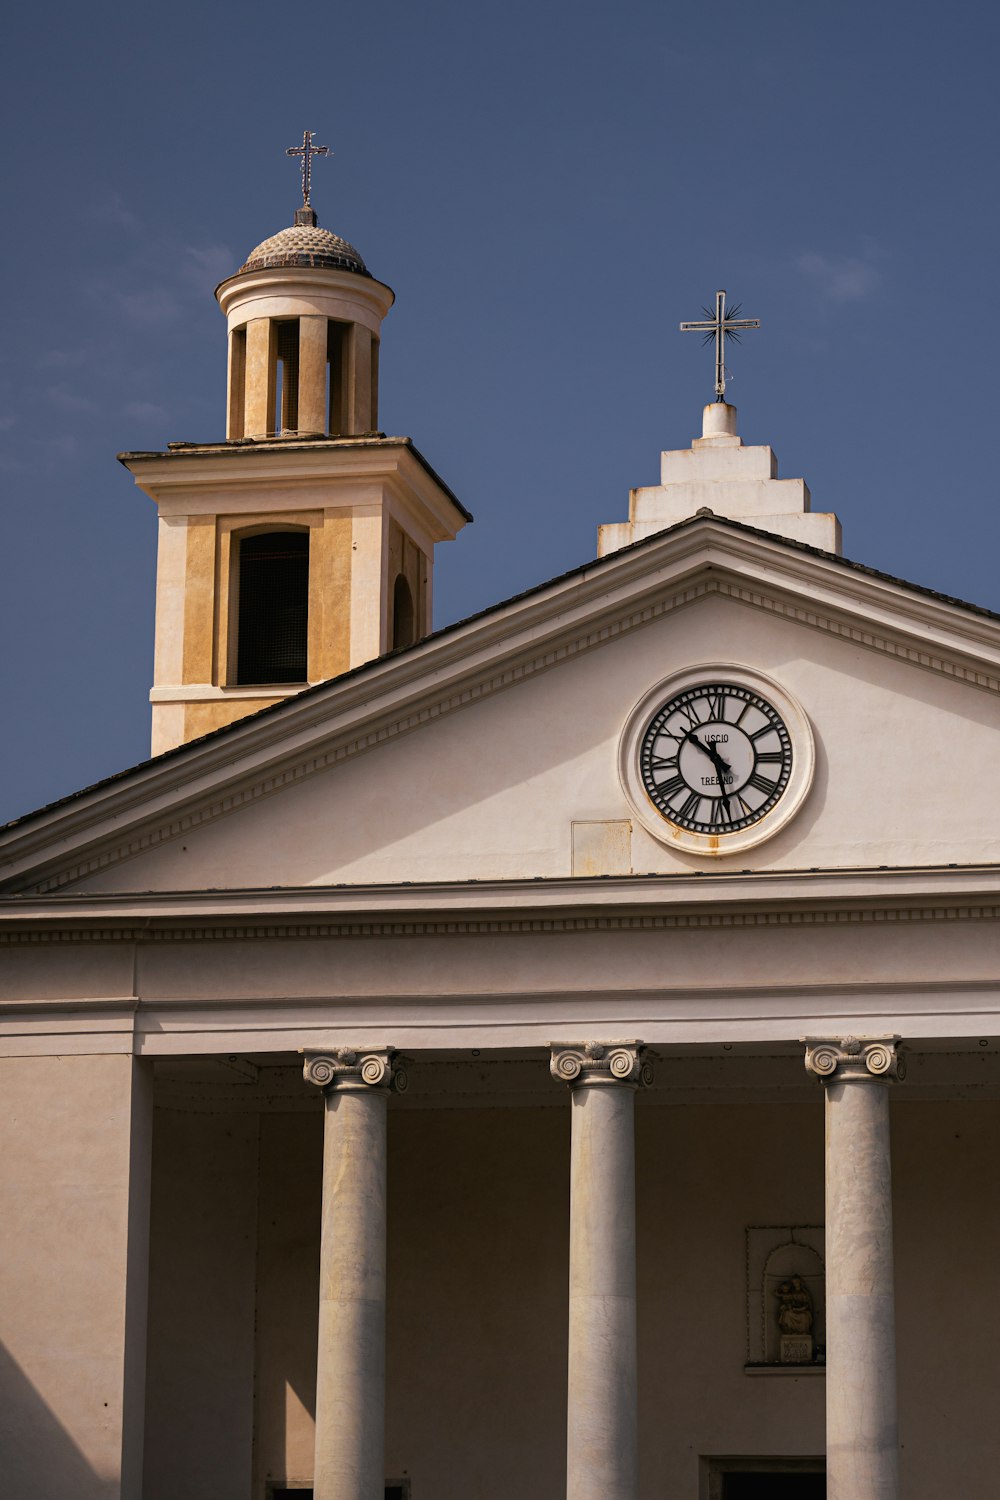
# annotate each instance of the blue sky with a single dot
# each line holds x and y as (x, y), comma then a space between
(550, 188)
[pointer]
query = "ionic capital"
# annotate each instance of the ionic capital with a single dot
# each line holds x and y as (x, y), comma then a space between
(586, 1063)
(345, 1068)
(852, 1059)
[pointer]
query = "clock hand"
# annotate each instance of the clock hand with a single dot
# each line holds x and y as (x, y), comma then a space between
(722, 767)
(709, 750)
(696, 741)
(719, 761)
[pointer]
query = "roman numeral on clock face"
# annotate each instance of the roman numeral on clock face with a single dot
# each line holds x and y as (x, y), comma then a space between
(689, 715)
(770, 757)
(716, 707)
(690, 806)
(668, 788)
(761, 784)
(720, 811)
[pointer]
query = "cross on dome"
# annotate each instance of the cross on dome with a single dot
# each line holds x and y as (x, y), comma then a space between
(725, 324)
(307, 151)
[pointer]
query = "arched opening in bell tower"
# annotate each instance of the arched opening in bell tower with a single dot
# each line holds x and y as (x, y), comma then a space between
(272, 607)
(286, 415)
(404, 622)
(311, 375)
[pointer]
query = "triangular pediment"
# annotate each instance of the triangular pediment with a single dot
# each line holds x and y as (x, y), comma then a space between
(491, 749)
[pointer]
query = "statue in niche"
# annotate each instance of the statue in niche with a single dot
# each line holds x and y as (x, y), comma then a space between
(795, 1321)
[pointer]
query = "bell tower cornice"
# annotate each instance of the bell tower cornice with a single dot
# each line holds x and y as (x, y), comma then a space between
(196, 478)
(304, 291)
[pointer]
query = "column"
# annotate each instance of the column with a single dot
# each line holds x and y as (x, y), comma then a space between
(359, 397)
(236, 390)
(861, 1438)
(261, 376)
(350, 1372)
(601, 1437)
(313, 340)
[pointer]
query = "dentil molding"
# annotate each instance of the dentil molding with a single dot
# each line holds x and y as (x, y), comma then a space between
(209, 932)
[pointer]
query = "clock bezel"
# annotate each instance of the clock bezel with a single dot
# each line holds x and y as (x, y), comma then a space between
(706, 675)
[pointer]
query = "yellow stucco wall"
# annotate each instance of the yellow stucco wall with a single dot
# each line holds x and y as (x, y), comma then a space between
(207, 616)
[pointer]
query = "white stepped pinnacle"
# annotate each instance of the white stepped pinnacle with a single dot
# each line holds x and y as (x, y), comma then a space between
(717, 473)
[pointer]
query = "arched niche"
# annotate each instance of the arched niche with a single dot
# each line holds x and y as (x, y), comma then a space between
(404, 621)
(774, 1254)
(793, 1278)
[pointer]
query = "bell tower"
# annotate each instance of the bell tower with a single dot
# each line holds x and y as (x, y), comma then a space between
(303, 544)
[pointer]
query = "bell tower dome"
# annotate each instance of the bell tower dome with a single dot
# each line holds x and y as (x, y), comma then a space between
(303, 544)
(305, 321)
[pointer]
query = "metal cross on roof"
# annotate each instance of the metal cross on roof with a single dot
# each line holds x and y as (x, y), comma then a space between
(307, 151)
(724, 325)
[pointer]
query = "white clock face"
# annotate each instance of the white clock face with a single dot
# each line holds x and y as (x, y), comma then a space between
(715, 758)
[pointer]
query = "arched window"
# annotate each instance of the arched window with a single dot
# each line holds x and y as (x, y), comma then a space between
(273, 623)
(403, 623)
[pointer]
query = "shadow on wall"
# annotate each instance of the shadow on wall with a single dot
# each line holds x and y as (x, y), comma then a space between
(38, 1458)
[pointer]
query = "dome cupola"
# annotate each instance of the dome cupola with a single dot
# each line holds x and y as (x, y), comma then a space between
(304, 244)
(305, 318)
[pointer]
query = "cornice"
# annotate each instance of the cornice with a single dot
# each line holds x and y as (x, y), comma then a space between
(830, 899)
(492, 927)
(608, 895)
(195, 478)
(463, 664)
(305, 281)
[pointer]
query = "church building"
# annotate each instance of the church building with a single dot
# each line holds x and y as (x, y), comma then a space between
(556, 1054)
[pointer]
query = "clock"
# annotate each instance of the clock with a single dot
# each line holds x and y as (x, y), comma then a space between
(716, 759)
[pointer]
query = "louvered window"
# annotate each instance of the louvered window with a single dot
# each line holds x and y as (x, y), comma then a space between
(272, 631)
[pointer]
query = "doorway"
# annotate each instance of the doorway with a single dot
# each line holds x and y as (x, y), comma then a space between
(760, 1478)
(774, 1486)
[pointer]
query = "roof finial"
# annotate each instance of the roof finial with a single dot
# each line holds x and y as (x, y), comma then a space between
(724, 325)
(306, 214)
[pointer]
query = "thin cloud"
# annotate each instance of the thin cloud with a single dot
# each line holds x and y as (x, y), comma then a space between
(149, 309)
(207, 265)
(60, 359)
(146, 411)
(69, 400)
(841, 278)
(112, 209)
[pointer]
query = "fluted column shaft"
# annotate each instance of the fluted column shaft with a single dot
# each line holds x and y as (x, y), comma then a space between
(601, 1436)
(861, 1426)
(350, 1371)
